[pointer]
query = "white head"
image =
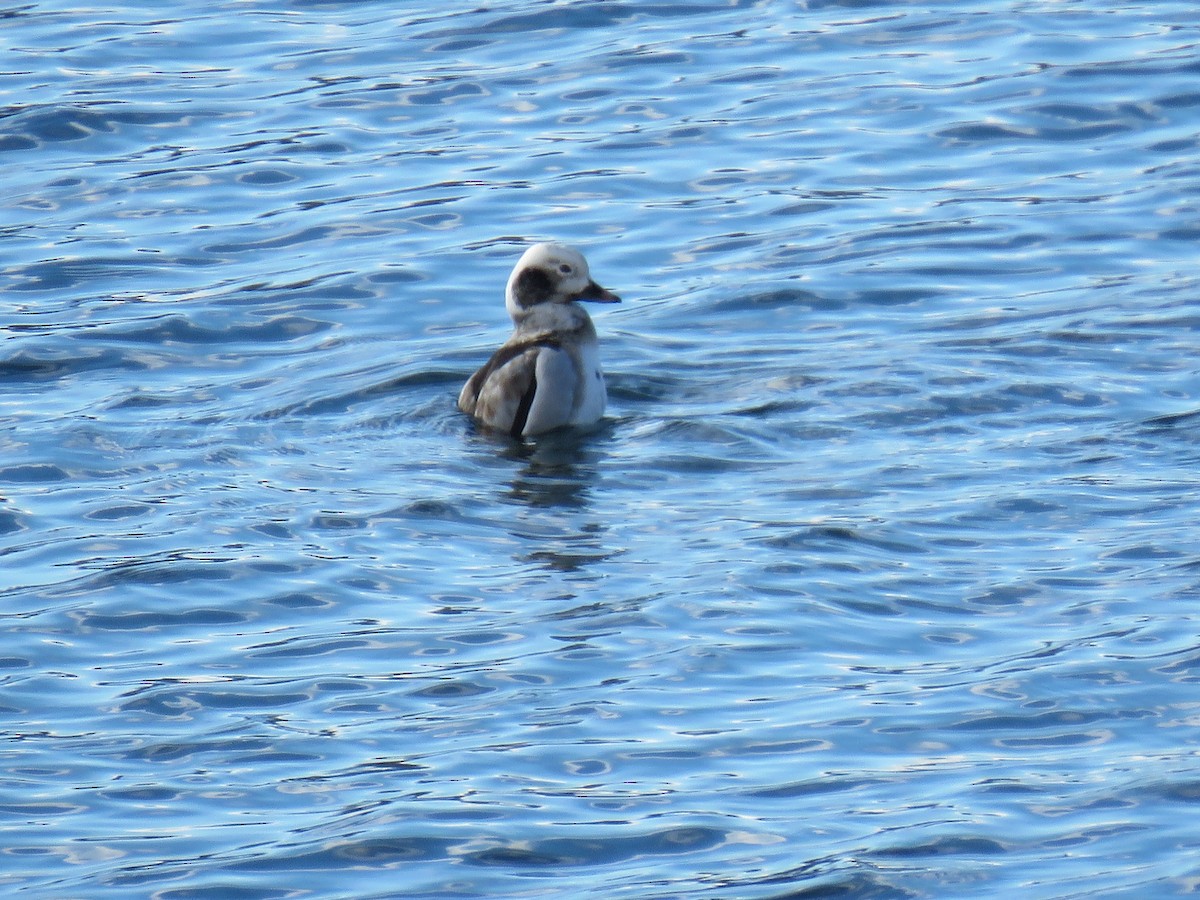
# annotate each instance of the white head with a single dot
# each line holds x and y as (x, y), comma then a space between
(551, 273)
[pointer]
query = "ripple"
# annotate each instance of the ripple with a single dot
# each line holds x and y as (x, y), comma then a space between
(874, 582)
(154, 621)
(37, 473)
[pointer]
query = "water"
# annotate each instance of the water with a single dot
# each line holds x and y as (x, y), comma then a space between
(879, 579)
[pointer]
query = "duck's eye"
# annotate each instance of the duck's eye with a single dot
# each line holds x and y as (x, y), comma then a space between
(564, 269)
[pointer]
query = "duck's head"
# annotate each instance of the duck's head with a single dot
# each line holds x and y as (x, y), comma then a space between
(551, 273)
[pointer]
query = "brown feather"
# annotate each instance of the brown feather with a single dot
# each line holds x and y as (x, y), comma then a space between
(503, 386)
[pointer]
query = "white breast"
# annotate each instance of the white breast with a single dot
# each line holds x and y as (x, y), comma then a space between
(592, 395)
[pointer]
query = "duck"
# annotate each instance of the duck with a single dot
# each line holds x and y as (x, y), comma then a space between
(547, 375)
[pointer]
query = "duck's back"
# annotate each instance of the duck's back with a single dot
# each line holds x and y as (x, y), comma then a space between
(526, 388)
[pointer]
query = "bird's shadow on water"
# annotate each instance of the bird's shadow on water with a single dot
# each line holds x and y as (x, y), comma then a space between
(553, 479)
(557, 470)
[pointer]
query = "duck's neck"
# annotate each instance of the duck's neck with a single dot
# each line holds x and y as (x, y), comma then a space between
(559, 318)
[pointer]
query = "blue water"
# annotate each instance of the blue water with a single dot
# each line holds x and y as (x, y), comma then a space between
(879, 580)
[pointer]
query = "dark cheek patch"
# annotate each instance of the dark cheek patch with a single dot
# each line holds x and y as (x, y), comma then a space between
(533, 286)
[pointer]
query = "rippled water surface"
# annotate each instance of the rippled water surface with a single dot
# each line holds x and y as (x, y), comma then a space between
(879, 580)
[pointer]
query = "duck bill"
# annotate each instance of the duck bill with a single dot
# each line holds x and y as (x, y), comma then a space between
(597, 294)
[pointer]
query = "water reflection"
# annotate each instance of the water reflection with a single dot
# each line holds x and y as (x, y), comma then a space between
(554, 482)
(876, 583)
(559, 469)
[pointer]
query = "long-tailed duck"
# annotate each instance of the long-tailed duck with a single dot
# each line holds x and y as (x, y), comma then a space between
(547, 374)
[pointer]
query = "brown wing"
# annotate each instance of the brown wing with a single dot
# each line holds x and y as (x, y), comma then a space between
(499, 394)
